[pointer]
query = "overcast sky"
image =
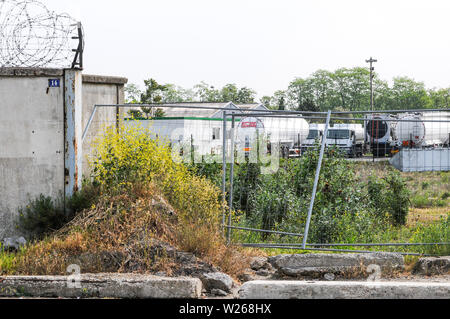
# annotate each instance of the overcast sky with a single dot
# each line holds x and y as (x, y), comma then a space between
(262, 44)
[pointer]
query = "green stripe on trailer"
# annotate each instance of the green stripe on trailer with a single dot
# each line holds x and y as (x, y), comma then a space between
(180, 118)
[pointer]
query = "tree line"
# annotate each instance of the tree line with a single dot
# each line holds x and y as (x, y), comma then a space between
(344, 89)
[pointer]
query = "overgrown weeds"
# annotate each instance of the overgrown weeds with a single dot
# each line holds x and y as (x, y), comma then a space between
(143, 196)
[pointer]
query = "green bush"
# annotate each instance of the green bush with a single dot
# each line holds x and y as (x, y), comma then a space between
(273, 204)
(390, 196)
(44, 215)
(281, 201)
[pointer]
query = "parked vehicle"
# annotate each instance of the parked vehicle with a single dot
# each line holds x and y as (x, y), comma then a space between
(416, 132)
(315, 136)
(349, 138)
(379, 133)
(287, 133)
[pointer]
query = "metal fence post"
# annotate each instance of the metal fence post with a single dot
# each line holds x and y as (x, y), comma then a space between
(224, 169)
(231, 178)
(316, 181)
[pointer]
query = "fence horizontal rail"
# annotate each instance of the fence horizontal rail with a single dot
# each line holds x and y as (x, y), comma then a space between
(391, 111)
(359, 245)
(330, 250)
(263, 231)
(175, 105)
(205, 108)
(337, 118)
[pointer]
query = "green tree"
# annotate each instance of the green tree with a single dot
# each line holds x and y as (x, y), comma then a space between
(206, 93)
(352, 88)
(132, 94)
(440, 98)
(245, 96)
(409, 94)
(153, 94)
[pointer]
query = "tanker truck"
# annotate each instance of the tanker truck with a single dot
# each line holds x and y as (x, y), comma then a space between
(422, 130)
(288, 133)
(349, 138)
(378, 133)
(315, 136)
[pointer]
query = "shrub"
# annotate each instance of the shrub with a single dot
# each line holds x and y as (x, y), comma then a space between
(397, 198)
(390, 196)
(135, 156)
(83, 199)
(281, 201)
(42, 216)
(45, 215)
(273, 203)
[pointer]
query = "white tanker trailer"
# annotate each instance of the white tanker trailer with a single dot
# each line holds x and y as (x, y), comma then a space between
(422, 130)
(378, 129)
(286, 132)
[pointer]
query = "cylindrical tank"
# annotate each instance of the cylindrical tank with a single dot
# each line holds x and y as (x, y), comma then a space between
(378, 130)
(410, 130)
(286, 130)
(423, 130)
(275, 129)
(436, 133)
(248, 130)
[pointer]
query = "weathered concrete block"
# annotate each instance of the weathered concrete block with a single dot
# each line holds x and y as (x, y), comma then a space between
(430, 266)
(102, 286)
(13, 243)
(342, 264)
(343, 290)
(258, 263)
(217, 280)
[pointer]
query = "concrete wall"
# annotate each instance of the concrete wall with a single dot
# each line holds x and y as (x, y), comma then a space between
(40, 133)
(99, 90)
(31, 141)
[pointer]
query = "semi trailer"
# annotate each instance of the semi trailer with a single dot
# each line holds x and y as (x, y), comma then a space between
(379, 133)
(422, 130)
(287, 133)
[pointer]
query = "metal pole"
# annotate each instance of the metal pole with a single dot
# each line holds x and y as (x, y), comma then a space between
(89, 123)
(316, 181)
(231, 179)
(371, 61)
(224, 168)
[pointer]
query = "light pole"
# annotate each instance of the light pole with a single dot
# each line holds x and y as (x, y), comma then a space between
(371, 61)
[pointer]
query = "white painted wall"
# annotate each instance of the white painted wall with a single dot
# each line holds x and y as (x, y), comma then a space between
(181, 130)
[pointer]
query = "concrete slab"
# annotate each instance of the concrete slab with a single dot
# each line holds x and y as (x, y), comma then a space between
(343, 290)
(339, 264)
(127, 286)
(431, 266)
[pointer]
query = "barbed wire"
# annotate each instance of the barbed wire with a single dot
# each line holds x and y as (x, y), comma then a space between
(33, 36)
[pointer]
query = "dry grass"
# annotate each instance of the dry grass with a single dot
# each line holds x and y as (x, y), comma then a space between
(426, 215)
(122, 234)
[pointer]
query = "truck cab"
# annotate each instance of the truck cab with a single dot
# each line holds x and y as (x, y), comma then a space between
(349, 139)
(315, 136)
